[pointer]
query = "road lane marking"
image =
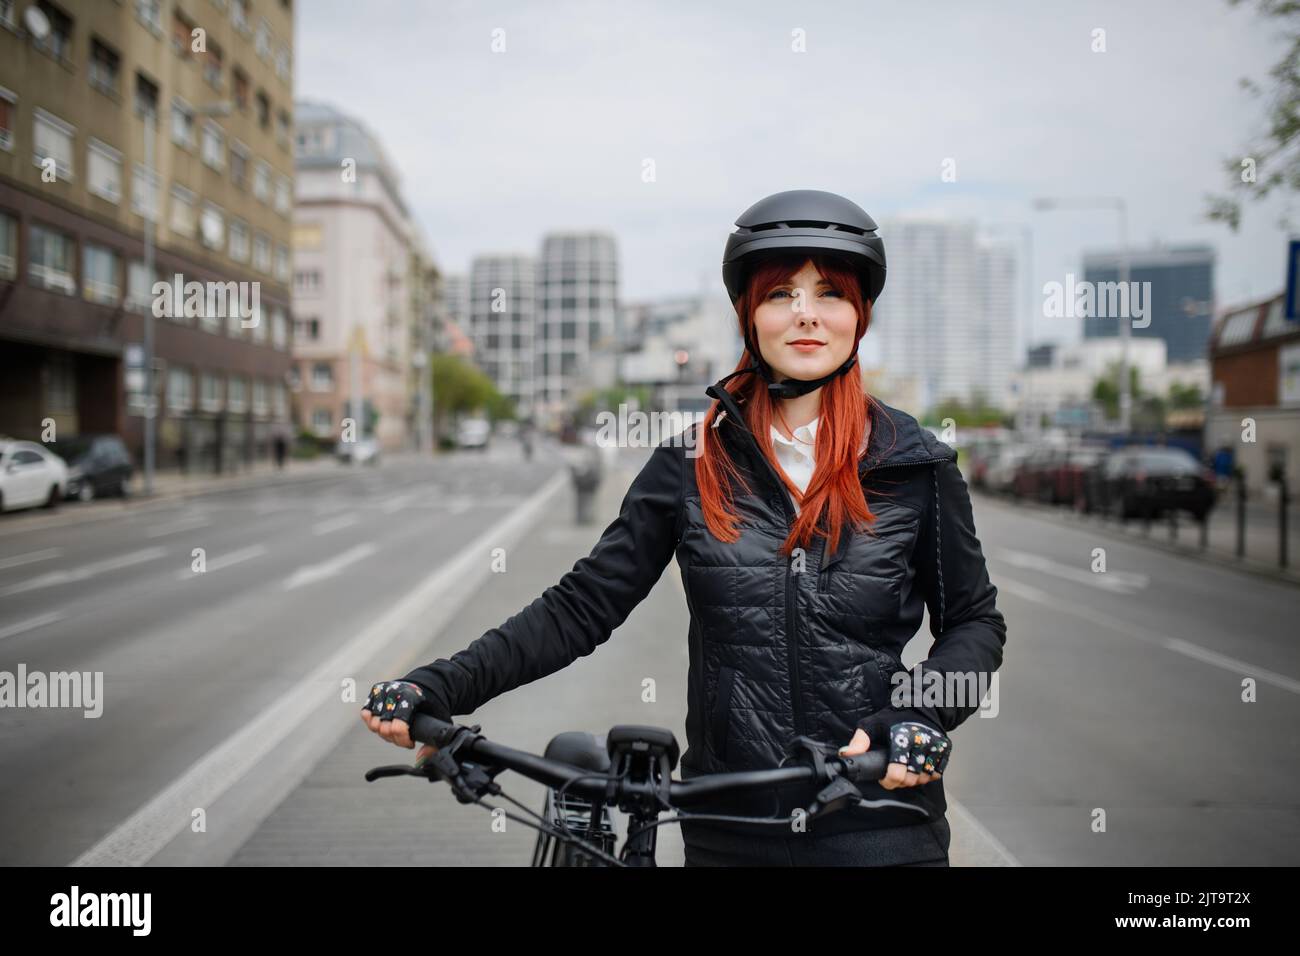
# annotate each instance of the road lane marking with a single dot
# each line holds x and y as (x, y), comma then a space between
(334, 524)
(1122, 582)
(327, 569)
(85, 571)
(223, 561)
(175, 527)
(142, 835)
(31, 557)
(1147, 636)
(967, 819)
(396, 503)
(30, 624)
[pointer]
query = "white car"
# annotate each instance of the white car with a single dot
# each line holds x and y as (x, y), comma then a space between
(30, 476)
(473, 433)
(363, 451)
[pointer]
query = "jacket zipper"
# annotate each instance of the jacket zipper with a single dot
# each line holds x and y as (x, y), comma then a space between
(791, 617)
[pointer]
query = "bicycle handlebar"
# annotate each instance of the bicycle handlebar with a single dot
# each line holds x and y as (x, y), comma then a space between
(861, 768)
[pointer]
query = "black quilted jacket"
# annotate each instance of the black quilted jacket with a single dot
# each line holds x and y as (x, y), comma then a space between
(776, 649)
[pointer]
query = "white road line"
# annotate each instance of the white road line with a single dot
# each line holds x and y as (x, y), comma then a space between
(1122, 582)
(1147, 636)
(85, 571)
(31, 557)
(184, 524)
(396, 503)
(137, 839)
(334, 524)
(327, 569)
(224, 561)
(30, 624)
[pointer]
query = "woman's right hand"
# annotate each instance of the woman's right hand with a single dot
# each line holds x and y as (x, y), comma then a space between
(388, 700)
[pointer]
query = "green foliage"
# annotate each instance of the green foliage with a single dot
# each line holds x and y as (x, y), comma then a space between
(1277, 156)
(976, 413)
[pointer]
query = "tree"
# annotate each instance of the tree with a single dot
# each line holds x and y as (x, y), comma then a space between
(459, 387)
(1273, 163)
(1105, 391)
(1185, 396)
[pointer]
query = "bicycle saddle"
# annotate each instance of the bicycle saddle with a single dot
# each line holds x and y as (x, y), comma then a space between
(580, 749)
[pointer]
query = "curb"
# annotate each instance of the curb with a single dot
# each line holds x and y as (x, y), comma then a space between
(1251, 566)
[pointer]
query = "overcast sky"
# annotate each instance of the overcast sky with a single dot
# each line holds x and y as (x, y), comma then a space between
(495, 149)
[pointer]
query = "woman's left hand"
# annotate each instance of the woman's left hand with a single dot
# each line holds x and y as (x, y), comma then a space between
(897, 775)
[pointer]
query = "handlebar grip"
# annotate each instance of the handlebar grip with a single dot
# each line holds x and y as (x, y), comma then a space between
(868, 767)
(427, 729)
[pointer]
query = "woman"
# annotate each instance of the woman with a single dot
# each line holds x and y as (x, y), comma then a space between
(813, 526)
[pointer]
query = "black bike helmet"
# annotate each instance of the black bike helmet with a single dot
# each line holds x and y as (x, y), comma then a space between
(802, 220)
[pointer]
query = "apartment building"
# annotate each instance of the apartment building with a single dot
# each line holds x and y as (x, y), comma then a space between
(80, 83)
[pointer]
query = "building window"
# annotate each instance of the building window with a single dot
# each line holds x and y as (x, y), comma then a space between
(212, 227)
(282, 69)
(322, 377)
(144, 192)
(279, 328)
(8, 113)
(212, 65)
(238, 240)
(261, 253)
(262, 42)
(260, 406)
(60, 383)
(182, 218)
(182, 34)
(180, 389)
(139, 287)
(50, 262)
(8, 14)
(8, 246)
(261, 180)
(105, 66)
(146, 96)
(58, 42)
(209, 392)
(283, 192)
(295, 378)
(282, 263)
(149, 12)
(237, 393)
(52, 140)
(308, 329)
(214, 146)
(99, 279)
(320, 420)
(104, 171)
(239, 164)
(306, 282)
(239, 15)
(239, 79)
(282, 128)
(281, 402)
(182, 123)
(263, 110)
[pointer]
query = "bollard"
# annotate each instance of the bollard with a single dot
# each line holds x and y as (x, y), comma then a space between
(1240, 476)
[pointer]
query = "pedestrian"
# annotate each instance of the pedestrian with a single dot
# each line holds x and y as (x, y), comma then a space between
(281, 448)
(814, 525)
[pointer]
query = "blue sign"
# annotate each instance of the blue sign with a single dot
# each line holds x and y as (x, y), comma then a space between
(1293, 281)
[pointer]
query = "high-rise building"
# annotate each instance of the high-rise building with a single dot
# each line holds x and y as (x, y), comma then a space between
(358, 255)
(578, 313)
(946, 319)
(79, 87)
(501, 313)
(1182, 296)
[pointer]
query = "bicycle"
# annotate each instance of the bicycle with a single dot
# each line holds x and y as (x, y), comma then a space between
(632, 771)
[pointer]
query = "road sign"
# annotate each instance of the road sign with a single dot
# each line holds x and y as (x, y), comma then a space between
(1293, 281)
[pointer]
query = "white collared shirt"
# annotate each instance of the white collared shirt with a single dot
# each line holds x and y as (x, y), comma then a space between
(796, 457)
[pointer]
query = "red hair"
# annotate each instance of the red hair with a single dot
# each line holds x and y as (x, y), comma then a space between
(835, 492)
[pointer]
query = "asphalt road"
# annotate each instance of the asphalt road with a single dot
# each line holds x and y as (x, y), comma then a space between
(1121, 735)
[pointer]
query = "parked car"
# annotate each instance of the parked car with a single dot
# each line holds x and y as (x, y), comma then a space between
(363, 451)
(1063, 475)
(1000, 474)
(30, 475)
(98, 465)
(1149, 482)
(473, 433)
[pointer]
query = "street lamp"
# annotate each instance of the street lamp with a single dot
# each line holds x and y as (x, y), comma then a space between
(1121, 207)
(1029, 419)
(220, 108)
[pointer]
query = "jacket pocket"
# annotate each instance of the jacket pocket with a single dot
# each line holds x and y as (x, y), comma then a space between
(720, 719)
